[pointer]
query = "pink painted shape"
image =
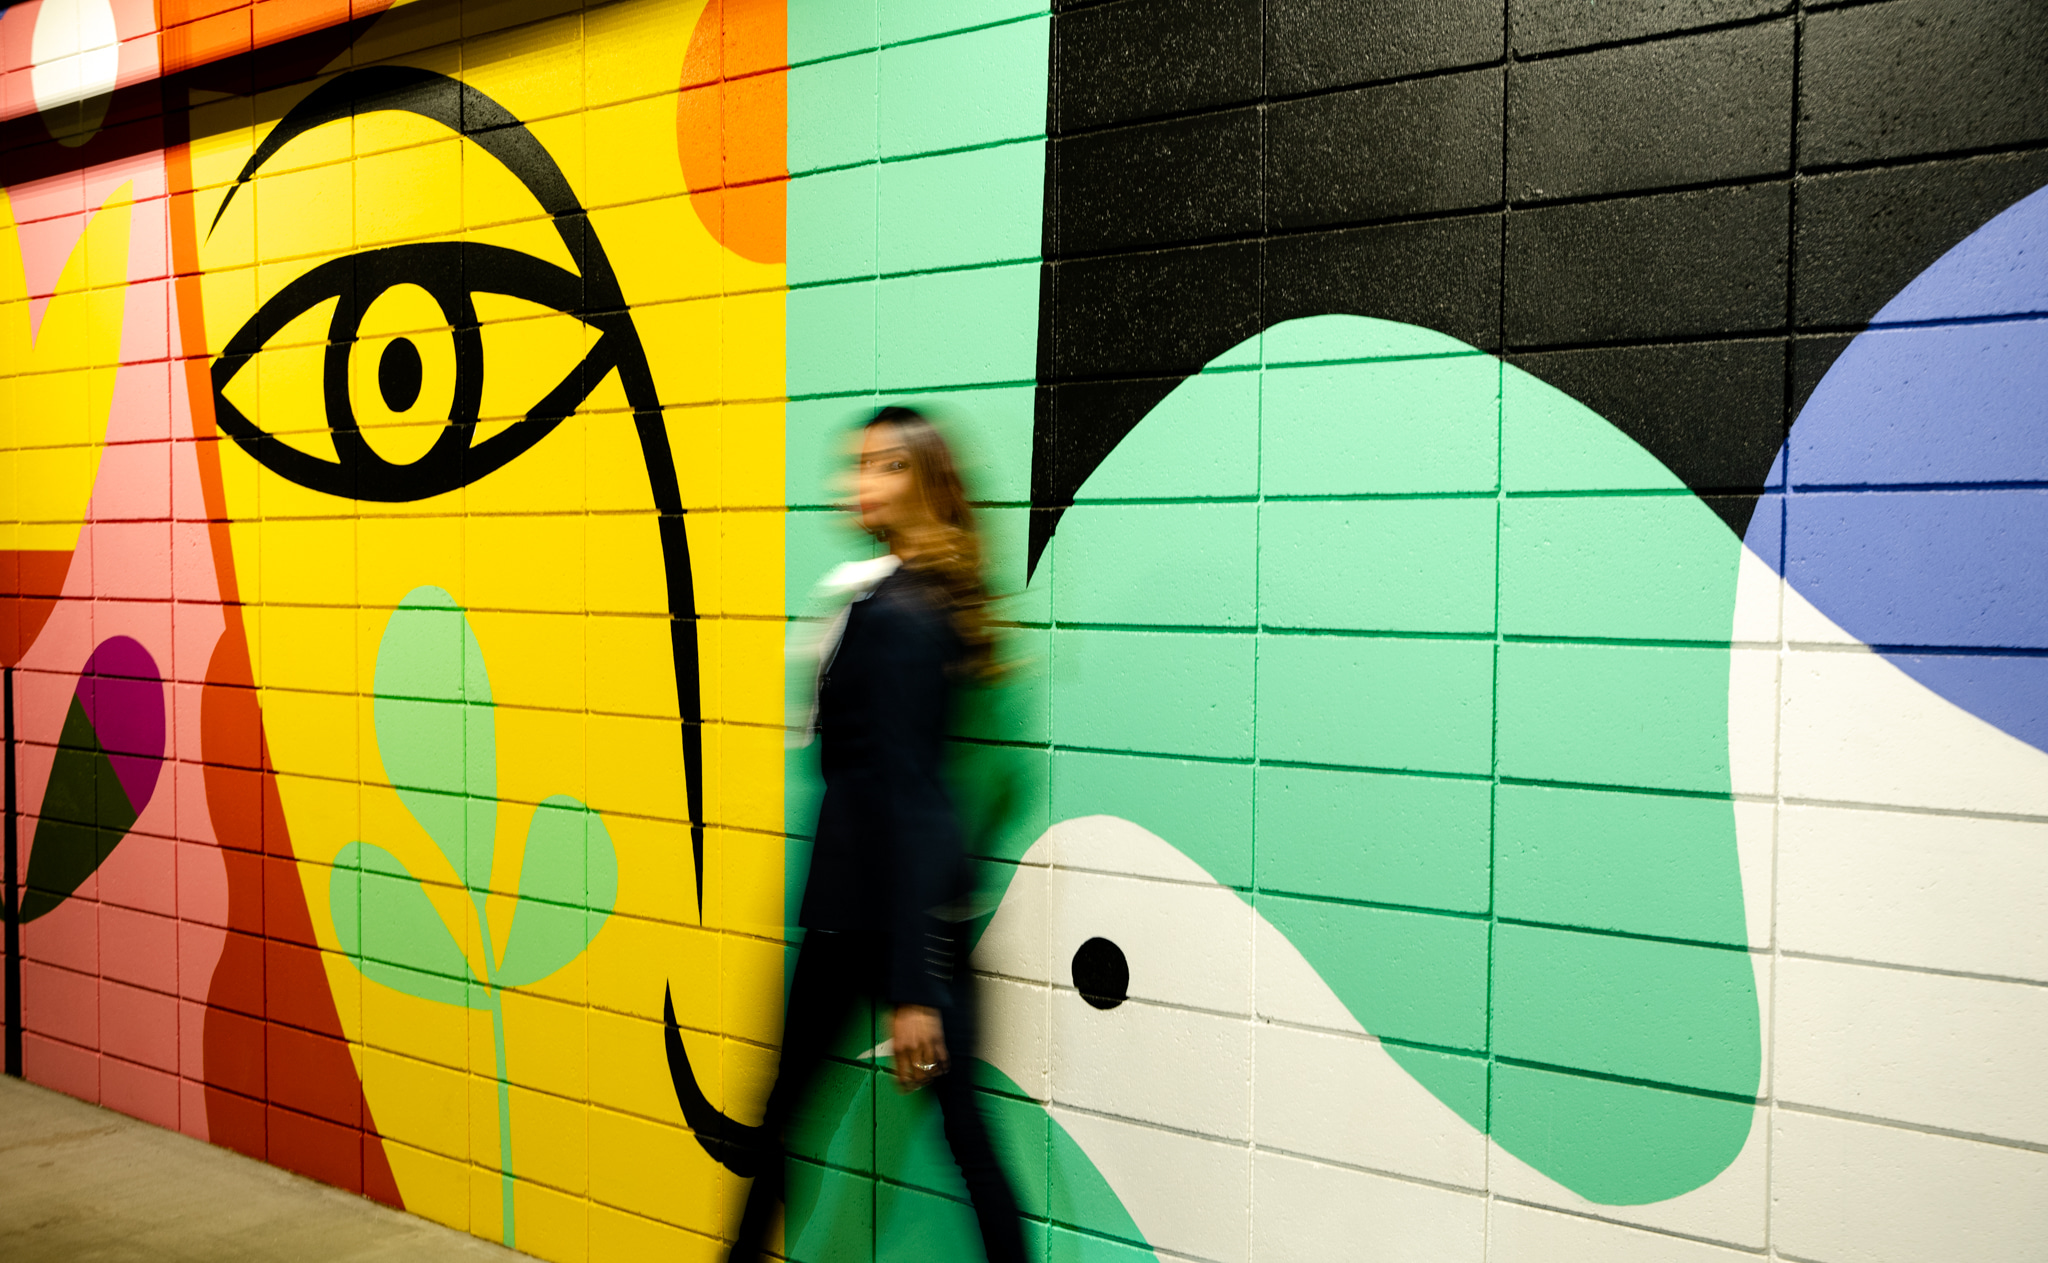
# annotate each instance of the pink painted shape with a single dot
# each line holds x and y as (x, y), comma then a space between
(192, 1108)
(139, 1025)
(139, 61)
(17, 35)
(46, 246)
(146, 340)
(142, 575)
(139, 1091)
(135, 478)
(189, 787)
(48, 197)
(131, 560)
(69, 937)
(199, 942)
(64, 1067)
(17, 93)
(138, 948)
(142, 171)
(146, 621)
(142, 874)
(149, 243)
(60, 1004)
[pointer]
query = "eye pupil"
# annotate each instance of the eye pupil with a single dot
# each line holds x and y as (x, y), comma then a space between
(1101, 974)
(399, 373)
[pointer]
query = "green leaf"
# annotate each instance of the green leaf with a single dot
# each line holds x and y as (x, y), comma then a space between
(436, 733)
(84, 816)
(568, 882)
(387, 926)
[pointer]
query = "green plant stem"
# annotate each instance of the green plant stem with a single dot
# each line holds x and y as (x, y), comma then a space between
(504, 1114)
(497, 1008)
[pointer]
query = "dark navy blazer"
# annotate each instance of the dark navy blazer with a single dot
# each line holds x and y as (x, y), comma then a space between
(888, 859)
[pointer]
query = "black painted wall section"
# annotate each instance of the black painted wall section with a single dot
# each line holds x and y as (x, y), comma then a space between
(1679, 211)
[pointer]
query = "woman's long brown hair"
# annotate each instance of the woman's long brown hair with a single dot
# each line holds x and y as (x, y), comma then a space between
(953, 554)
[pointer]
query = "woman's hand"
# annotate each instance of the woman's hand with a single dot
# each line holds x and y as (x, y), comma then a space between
(919, 1039)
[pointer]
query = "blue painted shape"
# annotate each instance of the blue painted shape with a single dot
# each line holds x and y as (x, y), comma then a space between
(1999, 270)
(1928, 405)
(1943, 569)
(1932, 431)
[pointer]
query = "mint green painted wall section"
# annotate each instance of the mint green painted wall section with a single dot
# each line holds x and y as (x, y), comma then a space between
(1527, 1105)
(1382, 427)
(1648, 715)
(918, 1211)
(1415, 565)
(1405, 975)
(1419, 841)
(1653, 864)
(1373, 701)
(1201, 442)
(1156, 564)
(960, 208)
(1440, 666)
(1205, 807)
(1612, 566)
(1197, 688)
(917, 155)
(965, 90)
(1336, 620)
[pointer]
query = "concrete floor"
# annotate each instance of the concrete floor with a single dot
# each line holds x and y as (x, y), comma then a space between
(87, 1185)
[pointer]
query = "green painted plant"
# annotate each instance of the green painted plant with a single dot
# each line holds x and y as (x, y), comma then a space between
(436, 734)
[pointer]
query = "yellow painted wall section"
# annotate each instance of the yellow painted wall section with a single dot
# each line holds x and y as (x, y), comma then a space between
(558, 562)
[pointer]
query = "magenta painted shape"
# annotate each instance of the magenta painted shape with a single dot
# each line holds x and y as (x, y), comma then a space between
(123, 699)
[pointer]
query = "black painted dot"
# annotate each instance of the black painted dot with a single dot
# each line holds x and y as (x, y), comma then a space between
(399, 373)
(1101, 974)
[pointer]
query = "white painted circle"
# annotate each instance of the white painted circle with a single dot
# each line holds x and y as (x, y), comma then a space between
(76, 56)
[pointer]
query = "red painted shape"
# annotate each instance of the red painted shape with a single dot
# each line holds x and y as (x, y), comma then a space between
(732, 125)
(327, 1152)
(292, 1063)
(30, 582)
(309, 1067)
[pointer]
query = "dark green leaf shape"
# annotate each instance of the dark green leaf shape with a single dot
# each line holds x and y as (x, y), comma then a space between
(388, 927)
(85, 815)
(568, 882)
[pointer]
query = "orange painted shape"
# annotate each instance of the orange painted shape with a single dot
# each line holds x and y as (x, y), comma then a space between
(755, 34)
(756, 113)
(732, 125)
(280, 20)
(209, 39)
(195, 32)
(700, 127)
(753, 216)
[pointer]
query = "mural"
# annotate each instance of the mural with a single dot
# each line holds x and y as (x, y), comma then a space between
(1521, 527)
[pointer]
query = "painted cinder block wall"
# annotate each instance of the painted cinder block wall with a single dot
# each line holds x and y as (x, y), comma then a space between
(1521, 525)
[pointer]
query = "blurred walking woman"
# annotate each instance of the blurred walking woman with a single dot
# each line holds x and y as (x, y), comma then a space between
(888, 869)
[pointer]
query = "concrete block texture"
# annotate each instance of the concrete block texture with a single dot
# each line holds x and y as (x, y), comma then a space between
(1514, 532)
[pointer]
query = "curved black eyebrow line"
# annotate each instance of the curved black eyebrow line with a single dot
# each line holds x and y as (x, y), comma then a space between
(456, 106)
(471, 114)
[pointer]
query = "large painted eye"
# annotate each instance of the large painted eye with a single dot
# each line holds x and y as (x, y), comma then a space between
(402, 373)
(399, 390)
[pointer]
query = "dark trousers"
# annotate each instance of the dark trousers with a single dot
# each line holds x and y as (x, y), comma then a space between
(834, 973)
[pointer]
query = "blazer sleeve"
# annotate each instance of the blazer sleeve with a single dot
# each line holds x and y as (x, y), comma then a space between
(920, 836)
